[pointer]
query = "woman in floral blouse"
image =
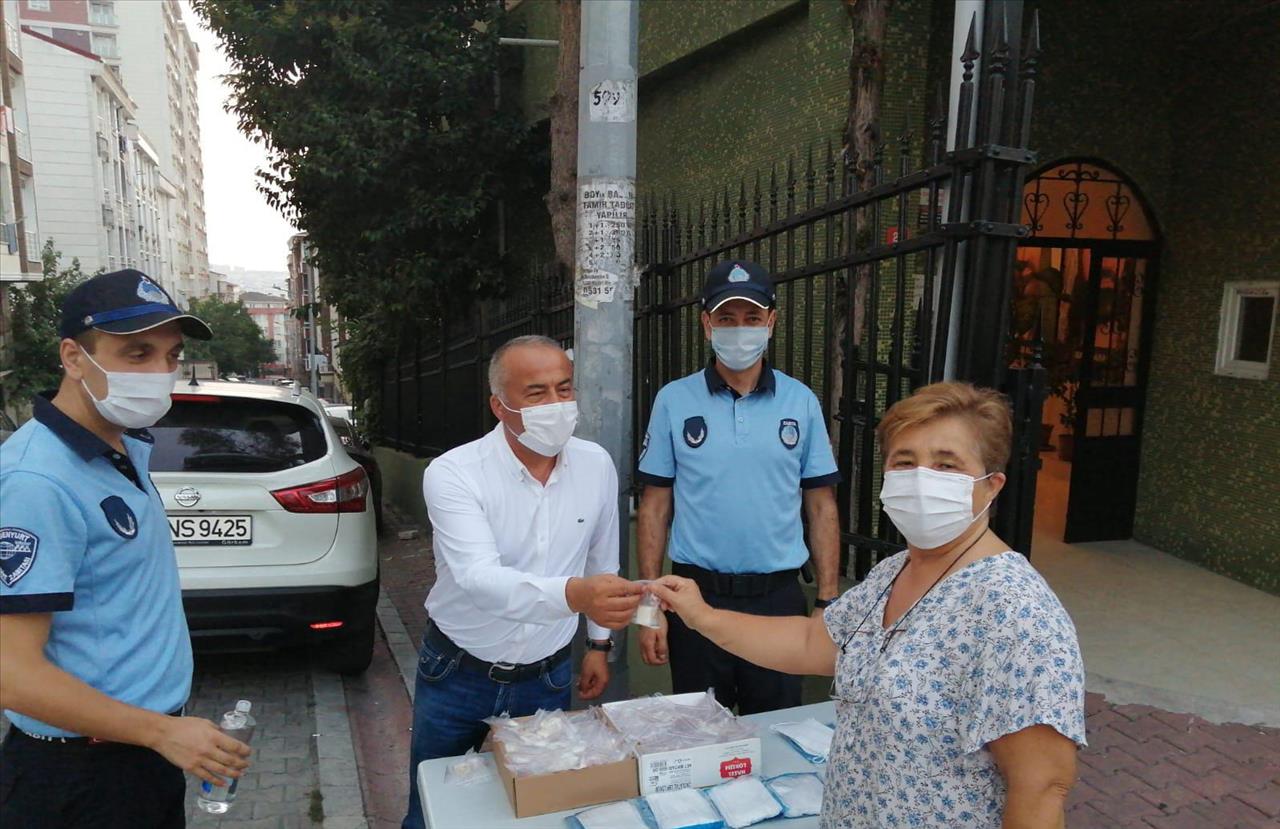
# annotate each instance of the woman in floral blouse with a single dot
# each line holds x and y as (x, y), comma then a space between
(959, 686)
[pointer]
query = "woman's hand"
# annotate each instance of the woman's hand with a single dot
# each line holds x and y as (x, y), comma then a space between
(682, 596)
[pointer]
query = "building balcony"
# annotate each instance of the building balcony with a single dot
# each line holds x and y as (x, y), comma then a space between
(11, 38)
(102, 14)
(24, 144)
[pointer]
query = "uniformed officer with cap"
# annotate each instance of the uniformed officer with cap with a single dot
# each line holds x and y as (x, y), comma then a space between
(95, 658)
(739, 449)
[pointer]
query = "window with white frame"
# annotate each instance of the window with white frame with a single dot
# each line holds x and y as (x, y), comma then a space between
(1246, 329)
(38, 6)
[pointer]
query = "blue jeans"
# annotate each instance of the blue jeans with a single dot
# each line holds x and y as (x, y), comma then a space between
(450, 704)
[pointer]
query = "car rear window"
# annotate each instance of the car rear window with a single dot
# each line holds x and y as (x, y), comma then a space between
(207, 433)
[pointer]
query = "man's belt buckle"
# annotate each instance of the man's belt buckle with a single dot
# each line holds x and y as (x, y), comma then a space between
(503, 667)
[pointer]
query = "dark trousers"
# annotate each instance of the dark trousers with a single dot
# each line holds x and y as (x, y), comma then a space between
(51, 785)
(697, 664)
(450, 704)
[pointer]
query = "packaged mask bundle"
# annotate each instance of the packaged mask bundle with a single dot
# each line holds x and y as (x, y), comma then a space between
(809, 737)
(744, 802)
(623, 815)
(683, 809)
(649, 612)
(471, 769)
(552, 741)
(657, 724)
(800, 794)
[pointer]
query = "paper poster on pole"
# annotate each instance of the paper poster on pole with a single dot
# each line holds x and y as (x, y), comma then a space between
(606, 239)
(612, 101)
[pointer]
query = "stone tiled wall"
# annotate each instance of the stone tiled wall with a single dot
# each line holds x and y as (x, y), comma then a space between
(1181, 98)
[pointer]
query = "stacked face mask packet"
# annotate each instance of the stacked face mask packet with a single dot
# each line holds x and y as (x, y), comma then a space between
(809, 737)
(623, 815)
(552, 741)
(682, 809)
(744, 801)
(800, 794)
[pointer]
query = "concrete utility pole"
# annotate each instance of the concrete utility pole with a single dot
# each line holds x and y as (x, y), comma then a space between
(605, 272)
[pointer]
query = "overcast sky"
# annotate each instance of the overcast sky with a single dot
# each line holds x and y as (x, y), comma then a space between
(243, 229)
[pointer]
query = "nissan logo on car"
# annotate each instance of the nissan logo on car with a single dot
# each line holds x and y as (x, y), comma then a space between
(188, 496)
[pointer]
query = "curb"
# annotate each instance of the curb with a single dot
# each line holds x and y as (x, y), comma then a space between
(343, 801)
(402, 649)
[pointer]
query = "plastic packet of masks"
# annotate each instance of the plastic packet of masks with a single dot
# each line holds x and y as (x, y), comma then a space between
(801, 794)
(552, 741)
(682, 809)
(473, 768)
(809, 737)
(625, 814)
(656, 723)
(744, 801)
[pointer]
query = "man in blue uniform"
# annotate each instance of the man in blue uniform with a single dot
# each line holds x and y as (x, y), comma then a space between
(738, 449)
(95, 658)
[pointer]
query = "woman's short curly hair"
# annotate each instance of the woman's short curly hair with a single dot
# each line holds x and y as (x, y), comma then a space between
(985, 410)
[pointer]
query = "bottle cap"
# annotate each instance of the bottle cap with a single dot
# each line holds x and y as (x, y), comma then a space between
(243, 706)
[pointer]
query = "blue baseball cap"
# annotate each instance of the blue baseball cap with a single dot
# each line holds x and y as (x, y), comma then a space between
(737, 279)
(124, 302)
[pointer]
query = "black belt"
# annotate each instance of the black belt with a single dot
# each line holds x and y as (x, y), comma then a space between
(502, 672)
(737, 585)
(16, 733)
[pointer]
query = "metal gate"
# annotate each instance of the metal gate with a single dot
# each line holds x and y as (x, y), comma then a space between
(866, 280)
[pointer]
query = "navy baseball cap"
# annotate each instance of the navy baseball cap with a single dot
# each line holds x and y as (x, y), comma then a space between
(124, 302)
(737, 279)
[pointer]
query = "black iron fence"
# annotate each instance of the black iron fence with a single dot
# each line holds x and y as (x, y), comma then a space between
(867, 255)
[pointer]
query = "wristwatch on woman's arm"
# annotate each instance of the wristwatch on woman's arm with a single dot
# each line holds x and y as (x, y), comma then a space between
(818, 604)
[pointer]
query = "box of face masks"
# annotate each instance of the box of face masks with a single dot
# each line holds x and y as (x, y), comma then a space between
(538, 794)
(695, 767)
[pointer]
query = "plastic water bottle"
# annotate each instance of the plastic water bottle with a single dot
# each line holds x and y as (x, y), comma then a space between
(238, 724)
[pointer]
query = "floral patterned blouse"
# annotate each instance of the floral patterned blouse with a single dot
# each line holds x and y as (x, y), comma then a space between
(989, 651)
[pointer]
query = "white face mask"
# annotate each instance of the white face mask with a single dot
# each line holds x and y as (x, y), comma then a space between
(547, 428)
(135, 400)
(737, 348)
(928, 507)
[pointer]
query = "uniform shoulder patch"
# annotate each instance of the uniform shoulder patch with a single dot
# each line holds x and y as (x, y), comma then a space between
(120, 517)
(695, 431)
(17, 553)
(789, 432)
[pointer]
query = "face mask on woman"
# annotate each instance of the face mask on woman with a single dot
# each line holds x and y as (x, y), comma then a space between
(135, 399)
(738, 347)
(547, 428)
(928, 507)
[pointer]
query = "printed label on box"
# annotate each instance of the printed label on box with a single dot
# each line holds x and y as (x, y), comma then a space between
(737, 767)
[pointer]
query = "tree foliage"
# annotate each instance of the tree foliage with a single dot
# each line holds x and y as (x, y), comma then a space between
(36, 311)
(385, 146)
(238, 345)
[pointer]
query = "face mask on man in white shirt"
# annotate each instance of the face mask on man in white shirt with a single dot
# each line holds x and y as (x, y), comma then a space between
(547, 428)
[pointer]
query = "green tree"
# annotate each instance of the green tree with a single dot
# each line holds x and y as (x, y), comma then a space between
(386, 146)
(237, 346)
(36, 311)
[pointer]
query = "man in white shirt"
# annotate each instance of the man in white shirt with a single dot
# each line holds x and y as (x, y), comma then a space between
(525, 535)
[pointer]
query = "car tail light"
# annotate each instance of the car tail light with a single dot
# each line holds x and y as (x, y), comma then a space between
(196, 398)
(325, 625)
(345, 493)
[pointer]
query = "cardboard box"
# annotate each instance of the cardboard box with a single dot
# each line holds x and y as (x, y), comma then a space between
(541, 793)
(685, 768)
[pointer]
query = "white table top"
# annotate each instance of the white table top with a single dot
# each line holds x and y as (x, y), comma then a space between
(485, 805)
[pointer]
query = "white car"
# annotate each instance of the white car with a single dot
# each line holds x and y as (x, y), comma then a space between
(271, 519)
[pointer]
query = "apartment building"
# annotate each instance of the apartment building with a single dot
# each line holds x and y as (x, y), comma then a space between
(271, 313)
(148, 48)
(20, 244)
(103, 199)
(320, 340)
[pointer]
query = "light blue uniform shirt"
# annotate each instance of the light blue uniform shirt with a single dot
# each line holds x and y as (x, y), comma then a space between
(738, 465)
(83, 535)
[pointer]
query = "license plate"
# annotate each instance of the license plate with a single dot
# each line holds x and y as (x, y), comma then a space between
(206, 530)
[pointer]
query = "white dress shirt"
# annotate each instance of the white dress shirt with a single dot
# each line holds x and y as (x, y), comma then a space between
(505, 545)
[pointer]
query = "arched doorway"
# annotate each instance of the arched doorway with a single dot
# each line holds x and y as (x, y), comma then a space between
(1083, 285)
